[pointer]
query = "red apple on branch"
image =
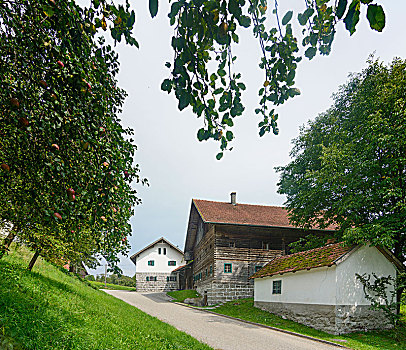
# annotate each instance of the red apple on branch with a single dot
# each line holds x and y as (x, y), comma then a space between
(43, 83)
(14, 102)
(23, 121)
(5, 167)
(58, 216)
(54, 145)
(60, 64)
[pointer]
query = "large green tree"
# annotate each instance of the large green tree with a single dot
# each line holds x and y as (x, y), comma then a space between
(349, 164)
(66, 161)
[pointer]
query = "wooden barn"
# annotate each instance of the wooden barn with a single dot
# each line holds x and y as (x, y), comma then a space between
(226, 243)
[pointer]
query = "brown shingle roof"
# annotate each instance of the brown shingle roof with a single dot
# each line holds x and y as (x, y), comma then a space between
(309, 259)
(243, 214)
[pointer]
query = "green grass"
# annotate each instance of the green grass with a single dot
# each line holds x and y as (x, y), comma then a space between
(394, 339)
(181, 295)
(100, 285)
(49, 309)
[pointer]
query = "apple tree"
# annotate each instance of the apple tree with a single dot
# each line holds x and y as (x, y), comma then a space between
(66, 161)
(205, 31)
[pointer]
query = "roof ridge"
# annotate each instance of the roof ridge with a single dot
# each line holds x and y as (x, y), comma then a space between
(238, 203)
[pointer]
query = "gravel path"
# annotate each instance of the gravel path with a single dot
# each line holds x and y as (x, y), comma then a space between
(217, 331)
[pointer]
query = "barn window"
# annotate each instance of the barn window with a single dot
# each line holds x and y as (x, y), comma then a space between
(171, 279)
(228, 268)
(277, 287)
(147, 279)
(172, 263)
(257, 268)
(231, 244)
(151, 262)
(211, 269)
(159, 250)
(164, 251)
(206, 272)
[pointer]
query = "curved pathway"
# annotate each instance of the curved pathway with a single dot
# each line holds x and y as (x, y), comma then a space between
(217, 331)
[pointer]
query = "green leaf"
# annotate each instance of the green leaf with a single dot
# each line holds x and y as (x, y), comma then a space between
(342, 5)
(131, 19)
(201, 134)
(241, 86)
(302, 19)
(352, 17)
(153, 7)
(184, 100)
(166, 85)
(168, 64)
(229, 135)
(244, 21)
(376, 17)
(219, 155)
(310, 52)
(286, 19)
(218, 91)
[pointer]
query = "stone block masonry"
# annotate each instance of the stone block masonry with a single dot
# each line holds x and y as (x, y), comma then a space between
(219, 292)
(160, 285)
(334, 319)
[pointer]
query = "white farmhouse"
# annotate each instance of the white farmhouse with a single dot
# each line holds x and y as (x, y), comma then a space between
(319, 287)
(154, 266)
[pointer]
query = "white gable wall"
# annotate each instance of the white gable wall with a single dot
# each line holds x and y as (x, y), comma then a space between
(366, 259)
(315, 286)
(160, 260)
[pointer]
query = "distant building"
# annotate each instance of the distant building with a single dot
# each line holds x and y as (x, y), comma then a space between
(226, 243)
(154, 266)
(319, 288)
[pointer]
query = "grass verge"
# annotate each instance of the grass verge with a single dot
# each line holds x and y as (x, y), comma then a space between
(100, 285)
(181, 295)
(394, 339)
(49, 309)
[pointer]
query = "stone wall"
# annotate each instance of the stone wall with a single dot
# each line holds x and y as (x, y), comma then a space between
(350, 318)
(218, 292)
(329, 318)
(160, 285)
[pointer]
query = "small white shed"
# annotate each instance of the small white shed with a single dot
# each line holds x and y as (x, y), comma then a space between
(319, 287)
(155, 264)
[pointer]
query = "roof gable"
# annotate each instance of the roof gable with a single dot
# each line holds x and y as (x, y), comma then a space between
(243, 214)
(309, 259)
(159, 240)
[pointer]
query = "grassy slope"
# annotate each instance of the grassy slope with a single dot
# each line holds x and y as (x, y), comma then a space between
(382, 340)
(181, 295)
(48, 309)
(100, 285)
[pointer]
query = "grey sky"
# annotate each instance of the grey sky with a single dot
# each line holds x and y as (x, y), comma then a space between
(179, 167)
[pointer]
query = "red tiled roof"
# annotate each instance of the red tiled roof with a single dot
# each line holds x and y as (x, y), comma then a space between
(243, 214)
(178, 268)
(309, 259)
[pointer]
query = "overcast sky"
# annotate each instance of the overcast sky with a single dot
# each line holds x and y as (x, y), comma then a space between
(179, 167)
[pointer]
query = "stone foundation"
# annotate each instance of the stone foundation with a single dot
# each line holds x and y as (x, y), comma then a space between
(160, 285)
(218, 292)
(332, 319)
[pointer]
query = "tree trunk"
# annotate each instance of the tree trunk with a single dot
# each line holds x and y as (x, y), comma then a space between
(7, 241)
(33, 260)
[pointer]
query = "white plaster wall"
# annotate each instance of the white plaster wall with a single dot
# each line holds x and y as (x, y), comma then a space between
(366, 259)
(315, 286)
(161, 260)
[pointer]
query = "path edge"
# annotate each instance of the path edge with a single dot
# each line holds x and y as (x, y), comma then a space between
(264, 326)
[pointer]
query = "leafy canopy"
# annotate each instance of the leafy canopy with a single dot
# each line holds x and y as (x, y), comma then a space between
(66, 161)
(206, 31)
